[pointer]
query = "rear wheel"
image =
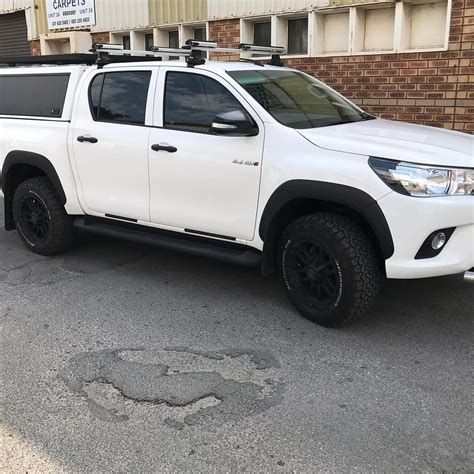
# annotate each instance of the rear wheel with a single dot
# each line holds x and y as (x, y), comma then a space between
(40, 218)
(329, 268)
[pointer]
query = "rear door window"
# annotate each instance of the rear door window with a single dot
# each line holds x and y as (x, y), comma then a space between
(120, 97)
(35, 95)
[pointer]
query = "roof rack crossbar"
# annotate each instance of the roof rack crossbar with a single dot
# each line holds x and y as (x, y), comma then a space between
(102, 54)
(262, 49)
(190, 46)
(70, 59)
(114, 46)
(171, 51)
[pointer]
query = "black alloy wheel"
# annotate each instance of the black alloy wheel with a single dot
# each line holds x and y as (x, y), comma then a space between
(40, 218)
(34, 219)
(329, 267)
(313, 273)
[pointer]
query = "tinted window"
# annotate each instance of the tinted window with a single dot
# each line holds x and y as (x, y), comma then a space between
(297, 100)
(126, 42)
(192, 101)
(39, 95)
(262, 34)
(120, 96)
(199, 34)
(173, 38)
(94, 94)
(173, 42)
(148, 41)
(298, 36)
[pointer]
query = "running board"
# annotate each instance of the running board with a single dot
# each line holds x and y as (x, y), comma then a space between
(201, 247)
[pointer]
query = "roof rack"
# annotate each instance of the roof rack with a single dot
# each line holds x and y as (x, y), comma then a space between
(102, 54)
(68, 59)
(191, 47)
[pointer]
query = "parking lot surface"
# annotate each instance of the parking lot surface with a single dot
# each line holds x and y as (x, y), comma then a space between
(119, 358)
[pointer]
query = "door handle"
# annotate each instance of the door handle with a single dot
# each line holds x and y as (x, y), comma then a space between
(86, 138)
(168, 148)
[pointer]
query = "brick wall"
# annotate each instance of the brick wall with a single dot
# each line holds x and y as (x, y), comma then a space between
(227, 35)
(35, 48)
(102, 37)
(431, 88)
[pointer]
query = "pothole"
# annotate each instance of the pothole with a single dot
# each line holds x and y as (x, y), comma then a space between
(108, 404)
(181, 385)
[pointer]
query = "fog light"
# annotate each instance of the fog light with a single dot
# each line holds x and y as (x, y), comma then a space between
(438, 240)
(435, 243)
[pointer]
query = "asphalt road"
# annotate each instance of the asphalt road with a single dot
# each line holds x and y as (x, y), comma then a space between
(121, 358)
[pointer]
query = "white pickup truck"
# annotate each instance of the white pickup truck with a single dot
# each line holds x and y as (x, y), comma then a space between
(245, 162)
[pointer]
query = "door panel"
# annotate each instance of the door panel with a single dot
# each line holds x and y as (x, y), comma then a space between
(211, 182)
(113, 171)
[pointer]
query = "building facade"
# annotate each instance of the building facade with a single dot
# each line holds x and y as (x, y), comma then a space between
(410, 60)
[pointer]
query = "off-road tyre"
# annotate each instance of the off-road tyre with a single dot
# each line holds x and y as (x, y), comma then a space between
(341, 280)
(40, 218)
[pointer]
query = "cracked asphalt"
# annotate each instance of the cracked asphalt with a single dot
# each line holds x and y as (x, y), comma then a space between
(121, 358)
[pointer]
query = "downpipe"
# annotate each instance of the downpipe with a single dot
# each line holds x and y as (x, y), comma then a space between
(469, 276)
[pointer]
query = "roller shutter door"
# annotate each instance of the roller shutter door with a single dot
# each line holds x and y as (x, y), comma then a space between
(14, 35)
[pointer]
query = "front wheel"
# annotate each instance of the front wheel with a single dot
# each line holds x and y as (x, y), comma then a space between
(40, 218)
(329, 268)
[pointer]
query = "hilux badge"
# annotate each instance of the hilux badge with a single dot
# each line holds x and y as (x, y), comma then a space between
(248, 163)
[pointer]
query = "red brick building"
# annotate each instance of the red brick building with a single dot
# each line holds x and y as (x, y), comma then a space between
(410, 60)
(432, 88)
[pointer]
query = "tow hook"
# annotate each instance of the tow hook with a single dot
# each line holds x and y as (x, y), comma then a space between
(469, 276)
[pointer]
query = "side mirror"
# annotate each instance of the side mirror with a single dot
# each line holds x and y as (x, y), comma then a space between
(235, 123)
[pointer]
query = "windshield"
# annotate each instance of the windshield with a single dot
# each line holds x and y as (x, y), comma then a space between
(297, 100)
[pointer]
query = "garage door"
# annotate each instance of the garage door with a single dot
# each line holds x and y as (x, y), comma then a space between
(13, 35)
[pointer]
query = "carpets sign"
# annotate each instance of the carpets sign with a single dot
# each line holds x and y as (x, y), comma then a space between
(70, 13)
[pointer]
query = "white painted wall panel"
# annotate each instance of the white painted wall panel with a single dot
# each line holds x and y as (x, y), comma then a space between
(12, 5)
(422, 35)
(336, 33)
(379, 25)
(116, 15)
(240, 8)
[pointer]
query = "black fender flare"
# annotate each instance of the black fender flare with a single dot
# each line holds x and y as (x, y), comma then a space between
(347, 196)
(21, 157)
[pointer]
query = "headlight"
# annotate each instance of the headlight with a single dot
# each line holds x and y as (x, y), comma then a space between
(422, 181)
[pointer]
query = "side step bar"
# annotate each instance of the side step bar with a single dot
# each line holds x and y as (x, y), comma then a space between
(200, 247)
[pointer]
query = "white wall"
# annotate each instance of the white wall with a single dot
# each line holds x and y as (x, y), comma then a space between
(119, 15)
(427, 25)
(219, 9)
(13, 5)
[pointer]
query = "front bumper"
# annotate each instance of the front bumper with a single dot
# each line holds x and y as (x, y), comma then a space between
(412, 220)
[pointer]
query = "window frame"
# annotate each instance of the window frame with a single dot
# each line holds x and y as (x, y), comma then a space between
(159, 107)
(149, 97)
